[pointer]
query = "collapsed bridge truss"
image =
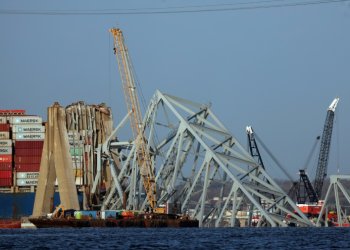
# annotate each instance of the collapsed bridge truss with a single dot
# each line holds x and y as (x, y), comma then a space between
(199, 167)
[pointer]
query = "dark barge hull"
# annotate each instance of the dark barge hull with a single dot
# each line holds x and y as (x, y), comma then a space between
(125, 222)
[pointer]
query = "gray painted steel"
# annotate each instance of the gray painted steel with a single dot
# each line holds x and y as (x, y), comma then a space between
(196, 159)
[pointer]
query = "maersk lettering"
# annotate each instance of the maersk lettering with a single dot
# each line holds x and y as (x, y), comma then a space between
(28, 120)
(34, 182)
(31, 130)
(5, 144)
(33, 176)
(32, 136)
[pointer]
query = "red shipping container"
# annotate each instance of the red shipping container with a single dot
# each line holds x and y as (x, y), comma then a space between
(5, 158)
(27, 159)
(27, 167)
(5, 174)
(29, 144)
(12, 111)
(6, 166)
(28, 151)
(5, 127)
(6, 182)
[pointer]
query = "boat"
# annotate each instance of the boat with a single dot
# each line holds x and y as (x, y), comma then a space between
(10, 223)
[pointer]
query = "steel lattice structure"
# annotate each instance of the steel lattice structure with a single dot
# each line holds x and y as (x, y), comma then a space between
(194, 158)
(336, 185)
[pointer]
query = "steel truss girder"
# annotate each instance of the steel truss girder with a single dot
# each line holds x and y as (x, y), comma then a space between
(197, 159)
(336, 185)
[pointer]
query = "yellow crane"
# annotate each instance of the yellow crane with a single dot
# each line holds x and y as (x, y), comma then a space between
(133, 106)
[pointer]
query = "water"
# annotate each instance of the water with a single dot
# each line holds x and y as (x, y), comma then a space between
(171, 238)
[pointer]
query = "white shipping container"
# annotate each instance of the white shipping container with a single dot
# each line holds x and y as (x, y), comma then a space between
(77, 165)
(27, 182)
(5, 150)
(73, 136)
(76, 143)
(78, 181)
(4, 135)
(28, 136)
(25, 119)
(28, 128)
(77, 158)
(5, 143)
(27, 175)
(3, 119)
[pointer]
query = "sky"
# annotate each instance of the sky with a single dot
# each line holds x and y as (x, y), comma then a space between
(276, 69)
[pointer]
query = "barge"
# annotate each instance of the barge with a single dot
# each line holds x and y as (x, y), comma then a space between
(142, 221)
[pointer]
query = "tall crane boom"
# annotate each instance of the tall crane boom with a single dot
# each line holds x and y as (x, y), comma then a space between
(133, 106)
(321, 171)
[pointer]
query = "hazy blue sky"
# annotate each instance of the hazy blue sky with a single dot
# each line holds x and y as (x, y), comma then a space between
(277, 69)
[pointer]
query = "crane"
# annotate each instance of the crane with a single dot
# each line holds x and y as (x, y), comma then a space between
(133, 106)
(321, 170)
(305, 189)
(253, 147)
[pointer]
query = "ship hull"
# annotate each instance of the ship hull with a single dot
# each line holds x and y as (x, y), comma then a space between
(8, 223)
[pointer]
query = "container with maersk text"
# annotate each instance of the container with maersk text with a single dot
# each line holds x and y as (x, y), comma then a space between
(28, 136)
(27, 182)
(25, 119)
(28, 128)
(5, 150)
(4, 135)
(6, 143)
(27, 175)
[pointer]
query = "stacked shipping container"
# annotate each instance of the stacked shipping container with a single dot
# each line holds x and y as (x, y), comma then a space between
(21, 144)
(76, 144)
(28, 135)
(6, 158)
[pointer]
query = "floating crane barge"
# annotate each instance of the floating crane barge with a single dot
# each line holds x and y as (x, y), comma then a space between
(70, 218)
(157, 220)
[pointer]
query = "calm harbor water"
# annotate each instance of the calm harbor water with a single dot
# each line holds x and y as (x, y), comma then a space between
(170, 238)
